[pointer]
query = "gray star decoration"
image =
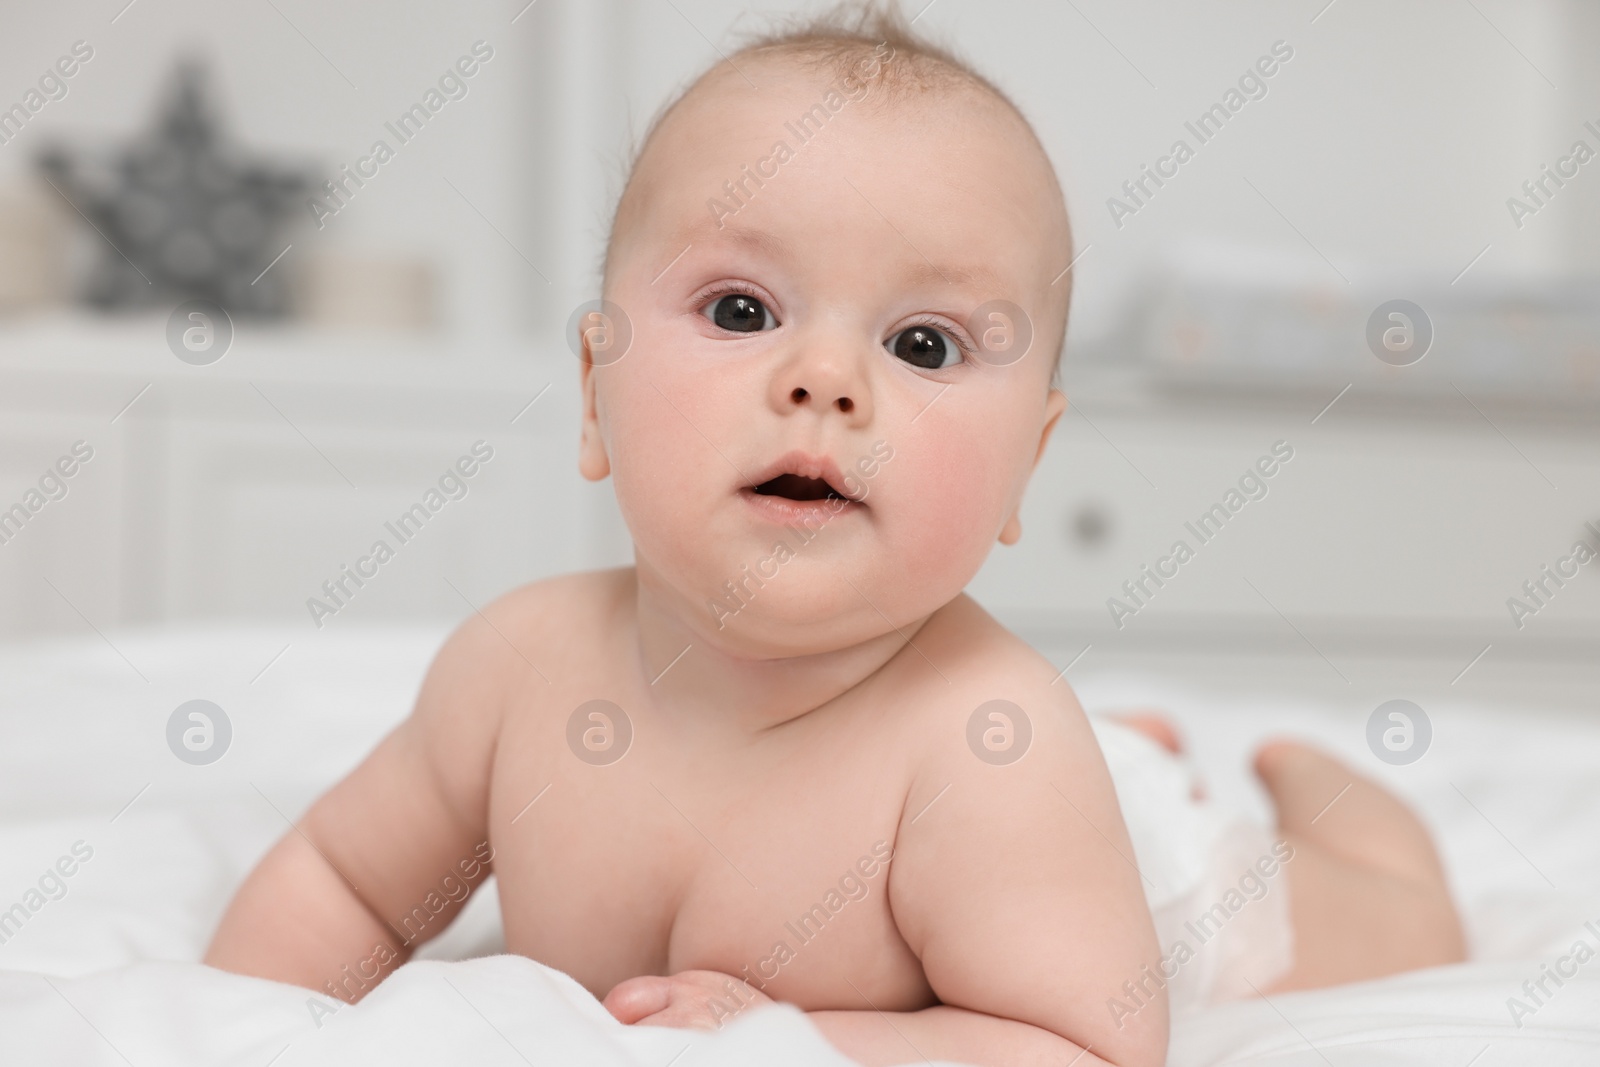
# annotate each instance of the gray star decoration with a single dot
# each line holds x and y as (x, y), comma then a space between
(183, 216)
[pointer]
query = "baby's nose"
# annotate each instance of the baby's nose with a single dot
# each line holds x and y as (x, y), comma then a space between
(823, 375)
(801, 396)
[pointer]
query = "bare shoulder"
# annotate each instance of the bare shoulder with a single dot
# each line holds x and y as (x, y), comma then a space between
(532, 629)
(1000, 721)
(502, 655)
(993, 719)
(1012, 879)
(979, 672)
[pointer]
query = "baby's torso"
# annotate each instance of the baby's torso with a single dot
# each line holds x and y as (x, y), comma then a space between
(679, 849)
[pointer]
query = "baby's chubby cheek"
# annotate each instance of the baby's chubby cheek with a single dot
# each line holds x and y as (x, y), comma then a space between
(661, 468)
(676, 427)
(678, 424)
(945, 496)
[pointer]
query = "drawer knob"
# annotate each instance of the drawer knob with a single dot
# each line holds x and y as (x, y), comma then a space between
(1089, 526)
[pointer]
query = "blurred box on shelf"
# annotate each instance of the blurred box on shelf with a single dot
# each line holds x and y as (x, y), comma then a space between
(1250, 322)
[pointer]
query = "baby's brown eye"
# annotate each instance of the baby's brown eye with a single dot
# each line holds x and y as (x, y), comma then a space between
(924, 346)
(740, 313)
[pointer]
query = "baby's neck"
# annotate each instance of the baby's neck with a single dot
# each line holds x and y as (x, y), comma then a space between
(691, 675)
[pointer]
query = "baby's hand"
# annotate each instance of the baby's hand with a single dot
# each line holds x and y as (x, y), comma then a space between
(689, 1000)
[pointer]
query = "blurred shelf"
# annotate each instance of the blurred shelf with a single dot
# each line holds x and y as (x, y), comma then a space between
(1222, 393)
(1413, 638)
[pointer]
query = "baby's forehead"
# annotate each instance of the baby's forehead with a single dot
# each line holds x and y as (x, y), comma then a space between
(804, 133)
(792, 99)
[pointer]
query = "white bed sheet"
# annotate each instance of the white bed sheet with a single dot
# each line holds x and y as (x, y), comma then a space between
(106, 973)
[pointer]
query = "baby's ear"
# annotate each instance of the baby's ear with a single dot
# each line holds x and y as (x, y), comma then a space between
(1011, 532)
(1054, 404)
(593, 463)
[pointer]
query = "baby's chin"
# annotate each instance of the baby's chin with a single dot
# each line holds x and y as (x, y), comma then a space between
(773, 635)
(804, 611)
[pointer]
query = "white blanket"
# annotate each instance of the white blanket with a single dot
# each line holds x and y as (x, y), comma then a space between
(99, 967)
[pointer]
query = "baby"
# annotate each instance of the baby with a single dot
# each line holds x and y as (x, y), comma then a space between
(783, 756)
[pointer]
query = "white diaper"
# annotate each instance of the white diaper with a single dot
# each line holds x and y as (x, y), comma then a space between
(1214, 880)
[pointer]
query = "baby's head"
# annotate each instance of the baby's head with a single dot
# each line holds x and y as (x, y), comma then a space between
(841, 255)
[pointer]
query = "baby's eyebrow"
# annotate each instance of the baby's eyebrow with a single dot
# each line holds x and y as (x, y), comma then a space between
(766, 242)
(923, 272)
(981, 277)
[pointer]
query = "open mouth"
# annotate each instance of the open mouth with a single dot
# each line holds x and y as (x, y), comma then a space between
(798, 487)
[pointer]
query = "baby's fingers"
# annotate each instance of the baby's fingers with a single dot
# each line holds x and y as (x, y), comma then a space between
(637, 998)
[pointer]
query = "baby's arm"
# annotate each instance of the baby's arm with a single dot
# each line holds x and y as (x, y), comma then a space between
(1018, 893)
(348, 893)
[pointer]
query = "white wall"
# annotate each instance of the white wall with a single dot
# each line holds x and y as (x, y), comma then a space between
(279, 95)
(1390, 142)
(1391, 139)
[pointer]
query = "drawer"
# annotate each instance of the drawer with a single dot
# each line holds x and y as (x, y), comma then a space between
(1367, 523)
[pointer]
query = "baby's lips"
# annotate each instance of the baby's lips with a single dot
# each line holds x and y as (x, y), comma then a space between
(805, 465)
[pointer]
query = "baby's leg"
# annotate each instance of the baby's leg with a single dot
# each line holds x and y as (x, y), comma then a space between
(1157, 726)
(1367, 893)
(1154, 724)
